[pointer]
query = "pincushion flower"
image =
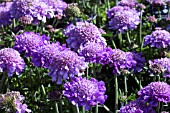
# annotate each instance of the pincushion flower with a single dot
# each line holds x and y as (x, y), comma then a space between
(123, 18)
(84, 92)
(157, 2)
(38, 9)
(160, 66)
(129, 3)
(93, 52)
(5, 17)
(29, 42)
(12, 102)
(155, 92)
(136, 106)
(11, 61)
(158, 39)
(66, 64)
(82, 33)
(45, 54)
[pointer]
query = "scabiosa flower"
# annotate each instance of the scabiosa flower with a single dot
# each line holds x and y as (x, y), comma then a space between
(11, 61)
(12, 102)
(5, 17)
(66, 64)
(129, 3)
(158, 38)
(152, 19)
(26, 19)
(82, 33)
(93, 52)
(157, 2)
(123, 18)
(136, 106)
(160, 66)
(155, 92)
(29, 42)
(72, 10)
(45, 54)
(85, 92)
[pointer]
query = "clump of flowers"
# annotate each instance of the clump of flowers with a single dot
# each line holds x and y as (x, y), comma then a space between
(136, 106)
(83, 33)
(84, 92)
(123, 18)
(11, 61)
(29, 42)
(66, 64)
(152, 19)
(160, 66)
(37, 9)
(155, 92)
(5, 17)
(26, 20)
(129, 3)
(45, 54)
(158, 38)
(93, 52)
(157, 2)
(12, 102)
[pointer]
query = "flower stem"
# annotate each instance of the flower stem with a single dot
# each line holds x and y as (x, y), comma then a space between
(107, 109)
(128, 38)
(56, 107)
(120, 39)
(116, 94)
(77, 109)
(97, 108)
(60, 106)
(140, 32)
(125, 83)
(83, 110)
(4, 82)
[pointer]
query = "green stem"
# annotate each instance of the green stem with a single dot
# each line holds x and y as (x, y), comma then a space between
(91, 110)
(43, 90)
(116, 95)
(60, 106)
(108, 4)
(87, 72)
(120, 39)
(77, 109)
(125, 83)
(140, 32)
(107, 109)
(56, 107)
(137, 81)
(128, 38)
(113, 43)
(83, 109)
(4, 82)
(97, 108)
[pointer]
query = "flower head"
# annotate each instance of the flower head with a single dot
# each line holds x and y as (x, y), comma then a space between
(11, 61)
(136, 106)
(5, 17)
(93, 52)
(12, 102)
(123, 18)
(160, 66)
(45, 54)
(66, 64)
(129, 3)
(157, 2)
(155, 92)
(82, 33)
(158, 38)
(85, 92)
(29, 42)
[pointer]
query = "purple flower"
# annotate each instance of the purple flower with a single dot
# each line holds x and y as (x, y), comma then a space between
(152, 19)
(66, 64)
(83, 33)
(93, 52)
(158, 38)
(136, 106)
(123, 18)
(5, 17)
(45, 54)
(12, 102)
(29, 42)
(85, 92)
(157, 2)
(129, 3)
(11, 61)
(160, 66)
(155, 92)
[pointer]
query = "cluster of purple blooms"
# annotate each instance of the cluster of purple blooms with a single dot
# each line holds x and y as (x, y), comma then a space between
(129, 3)
(11, 61)
(83, 33)
(158, 39)
(123, 18)
(15, 100)
(149, 96)
(124, 61)
(37, 10)
(160, 66)
(83, 92)
(158, 2)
